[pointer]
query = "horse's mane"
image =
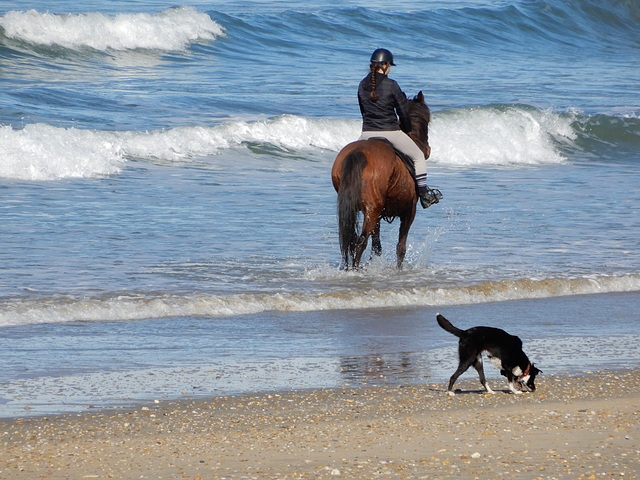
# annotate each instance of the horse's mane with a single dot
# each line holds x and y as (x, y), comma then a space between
(420, 118)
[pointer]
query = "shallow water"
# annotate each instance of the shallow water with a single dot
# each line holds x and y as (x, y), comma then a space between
(80, 365)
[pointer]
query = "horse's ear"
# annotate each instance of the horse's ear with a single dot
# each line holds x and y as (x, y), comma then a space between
(420, 97)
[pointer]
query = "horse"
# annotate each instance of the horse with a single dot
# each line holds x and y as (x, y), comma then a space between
(371, 178)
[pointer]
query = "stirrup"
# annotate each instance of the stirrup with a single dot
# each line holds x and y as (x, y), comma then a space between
(429, 197)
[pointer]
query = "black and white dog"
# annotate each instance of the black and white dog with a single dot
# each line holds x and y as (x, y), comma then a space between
(504, 351)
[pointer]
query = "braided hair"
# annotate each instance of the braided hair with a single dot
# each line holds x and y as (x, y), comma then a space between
(373, 95)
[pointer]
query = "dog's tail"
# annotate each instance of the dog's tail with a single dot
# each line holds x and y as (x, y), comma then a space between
(446, 324)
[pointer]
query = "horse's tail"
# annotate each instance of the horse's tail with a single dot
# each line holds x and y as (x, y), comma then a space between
(350, 203)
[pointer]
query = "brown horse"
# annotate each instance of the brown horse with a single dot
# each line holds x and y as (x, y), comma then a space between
(370, 178)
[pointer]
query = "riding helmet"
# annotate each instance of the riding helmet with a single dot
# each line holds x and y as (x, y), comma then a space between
(382, 55)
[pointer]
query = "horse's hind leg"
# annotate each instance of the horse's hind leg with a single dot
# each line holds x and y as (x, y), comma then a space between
(361, 245)
(401, 248)
(376, 245)
(368, 227)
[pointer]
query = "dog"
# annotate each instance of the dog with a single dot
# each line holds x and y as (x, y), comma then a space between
(504, 351)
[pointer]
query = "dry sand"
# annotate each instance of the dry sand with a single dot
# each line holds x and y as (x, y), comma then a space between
(570, 428)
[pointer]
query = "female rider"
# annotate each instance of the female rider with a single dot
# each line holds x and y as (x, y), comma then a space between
(380, 98)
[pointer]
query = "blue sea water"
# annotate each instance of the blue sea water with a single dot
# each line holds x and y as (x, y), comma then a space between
(166, 209)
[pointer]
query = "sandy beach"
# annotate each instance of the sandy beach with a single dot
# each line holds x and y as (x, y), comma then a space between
(572, 427)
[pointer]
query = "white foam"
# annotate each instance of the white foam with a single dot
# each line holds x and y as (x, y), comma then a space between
(171, 29)
(487, 136)
(498, 136)
(289, 132)
(139, 308)
(294, 132)
(42, 152)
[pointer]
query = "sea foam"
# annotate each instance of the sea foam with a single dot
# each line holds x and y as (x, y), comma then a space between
(171, 29)
(499, 135)
(43, 152)
(124, 308)
(510, 136)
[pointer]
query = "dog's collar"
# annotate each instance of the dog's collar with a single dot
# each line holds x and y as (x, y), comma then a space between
(526, 371)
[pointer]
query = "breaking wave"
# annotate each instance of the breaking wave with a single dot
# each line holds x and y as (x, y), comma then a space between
(490, 135)
(170, 30)
(138, 308)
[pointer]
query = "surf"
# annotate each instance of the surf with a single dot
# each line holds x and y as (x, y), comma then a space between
(134, 307)
(492, 135)
(173, 29)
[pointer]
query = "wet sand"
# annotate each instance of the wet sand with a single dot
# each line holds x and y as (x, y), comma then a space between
(572, 427)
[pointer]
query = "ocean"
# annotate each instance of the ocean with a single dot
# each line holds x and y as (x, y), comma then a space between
(168, 225)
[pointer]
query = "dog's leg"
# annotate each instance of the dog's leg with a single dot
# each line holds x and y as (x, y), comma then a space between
(511, 381)
(513, 387)
(479, 367)
(462, 367)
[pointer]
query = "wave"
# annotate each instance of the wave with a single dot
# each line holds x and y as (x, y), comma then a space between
(572, 23)
(491, 135)
(458, 25)
(499, 135)
(448, 28)
(122, 308)
(513, 24)
(170, 30)
(618, 131)
(43, 152)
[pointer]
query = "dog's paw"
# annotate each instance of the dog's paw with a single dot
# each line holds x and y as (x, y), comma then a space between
(515, 389)
(491, 392)
(451, 393)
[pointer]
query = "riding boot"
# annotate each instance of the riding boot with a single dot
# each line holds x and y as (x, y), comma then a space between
(428, 196)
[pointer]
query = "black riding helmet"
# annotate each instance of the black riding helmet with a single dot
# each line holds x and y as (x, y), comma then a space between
(382, 55)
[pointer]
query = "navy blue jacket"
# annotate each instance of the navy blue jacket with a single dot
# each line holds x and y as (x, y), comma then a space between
(383, 114)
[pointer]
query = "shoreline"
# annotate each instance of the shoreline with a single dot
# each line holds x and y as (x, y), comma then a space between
(87, 367)
(582, 426)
